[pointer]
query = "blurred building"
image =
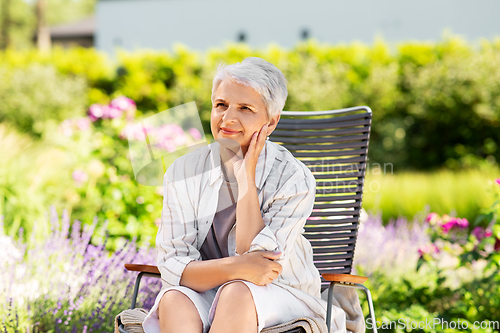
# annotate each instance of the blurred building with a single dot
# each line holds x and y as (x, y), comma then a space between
(201, 24)
(80, 33)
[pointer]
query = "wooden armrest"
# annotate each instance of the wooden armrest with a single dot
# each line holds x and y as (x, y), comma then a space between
(142, 268)
(332, 277)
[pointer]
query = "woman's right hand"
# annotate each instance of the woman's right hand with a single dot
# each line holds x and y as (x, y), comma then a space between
(259, 267)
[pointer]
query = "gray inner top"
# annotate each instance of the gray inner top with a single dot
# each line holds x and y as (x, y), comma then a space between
(215, 245)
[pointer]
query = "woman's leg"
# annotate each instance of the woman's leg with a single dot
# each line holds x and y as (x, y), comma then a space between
(235, 310)
(178, 314)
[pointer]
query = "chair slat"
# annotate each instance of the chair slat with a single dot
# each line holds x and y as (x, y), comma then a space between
(333, 221)
(325, 190)
(342, 263)
(324, 119)
(310, 229)
(351, 182)
(332, 198)
(333, 168)
(324, 242)
(330, 235)
(340, 175)
(342, 205)
(307, 140)
(322, 154)
(335, 213)
(299, 125)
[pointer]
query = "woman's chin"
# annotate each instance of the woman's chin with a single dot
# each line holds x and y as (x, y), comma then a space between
(230, 144)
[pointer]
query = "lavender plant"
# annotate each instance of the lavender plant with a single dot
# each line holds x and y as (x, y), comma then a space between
(65, 283)
(392, 249)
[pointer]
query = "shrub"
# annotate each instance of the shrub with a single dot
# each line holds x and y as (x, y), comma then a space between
(32, 97)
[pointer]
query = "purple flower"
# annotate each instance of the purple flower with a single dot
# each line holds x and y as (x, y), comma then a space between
(95, 111)
(480, 233)
(195, 133)
(122, 103)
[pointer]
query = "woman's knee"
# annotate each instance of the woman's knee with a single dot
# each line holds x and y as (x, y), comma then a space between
(177, 313)
(174, 300)
(236, 291)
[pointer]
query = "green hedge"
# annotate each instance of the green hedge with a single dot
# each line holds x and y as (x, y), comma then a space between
(434, 104)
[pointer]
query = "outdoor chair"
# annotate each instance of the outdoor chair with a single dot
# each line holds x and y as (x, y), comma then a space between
(334, 145)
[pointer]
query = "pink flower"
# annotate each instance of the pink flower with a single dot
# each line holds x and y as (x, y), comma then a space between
(105, 111)
(114, 112)
(66, 127)
(461, 223)
(432, 217)
(497, 181)
(82, 124)
(122, 103)
(124, 133)
(195, 133)
(95, 111)
(447, 226)
(79, 176)
(427, 249)
(454, 222)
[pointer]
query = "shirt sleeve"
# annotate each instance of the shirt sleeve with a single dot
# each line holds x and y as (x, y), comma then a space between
(285, 219)
(177, 233)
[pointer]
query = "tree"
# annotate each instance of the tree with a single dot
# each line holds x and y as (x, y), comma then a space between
(43, 32)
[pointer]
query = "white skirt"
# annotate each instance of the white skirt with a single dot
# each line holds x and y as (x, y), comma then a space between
(274, 305)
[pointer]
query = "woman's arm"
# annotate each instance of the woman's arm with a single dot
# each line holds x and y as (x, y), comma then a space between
(257, 267)
(179, 260)
(248, 214)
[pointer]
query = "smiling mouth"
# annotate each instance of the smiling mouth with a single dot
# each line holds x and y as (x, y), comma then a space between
(227, 131)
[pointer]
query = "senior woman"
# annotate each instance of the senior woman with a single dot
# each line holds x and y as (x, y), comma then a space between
(230, 249)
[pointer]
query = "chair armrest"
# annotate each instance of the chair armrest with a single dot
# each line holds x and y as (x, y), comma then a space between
(346, 278)
(142, 268)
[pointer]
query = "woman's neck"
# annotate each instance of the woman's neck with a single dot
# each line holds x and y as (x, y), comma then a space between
(227, 166)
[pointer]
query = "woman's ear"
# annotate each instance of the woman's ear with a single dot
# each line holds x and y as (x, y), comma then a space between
(273, 122)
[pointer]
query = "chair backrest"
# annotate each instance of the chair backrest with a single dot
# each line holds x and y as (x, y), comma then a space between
(334, 145)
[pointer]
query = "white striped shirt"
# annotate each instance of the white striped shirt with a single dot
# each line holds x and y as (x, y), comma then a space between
(286, 191)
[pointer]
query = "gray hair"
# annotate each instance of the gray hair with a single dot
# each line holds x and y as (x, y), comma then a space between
(262, 76)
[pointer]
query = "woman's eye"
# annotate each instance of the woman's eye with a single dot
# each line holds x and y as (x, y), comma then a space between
(219, 105)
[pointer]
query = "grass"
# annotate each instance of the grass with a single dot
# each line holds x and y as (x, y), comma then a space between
(463, 193)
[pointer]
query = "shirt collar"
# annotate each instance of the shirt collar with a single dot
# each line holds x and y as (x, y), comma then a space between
(264, 163)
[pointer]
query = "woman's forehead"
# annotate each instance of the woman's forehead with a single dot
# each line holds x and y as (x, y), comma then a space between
(234, 92)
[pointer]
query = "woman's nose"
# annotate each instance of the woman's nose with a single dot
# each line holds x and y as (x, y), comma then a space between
(230, 115)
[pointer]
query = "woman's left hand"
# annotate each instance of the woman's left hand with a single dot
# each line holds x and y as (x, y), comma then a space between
(244, 168)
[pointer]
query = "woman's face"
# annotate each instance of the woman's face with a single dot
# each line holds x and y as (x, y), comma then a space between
(237, 113)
